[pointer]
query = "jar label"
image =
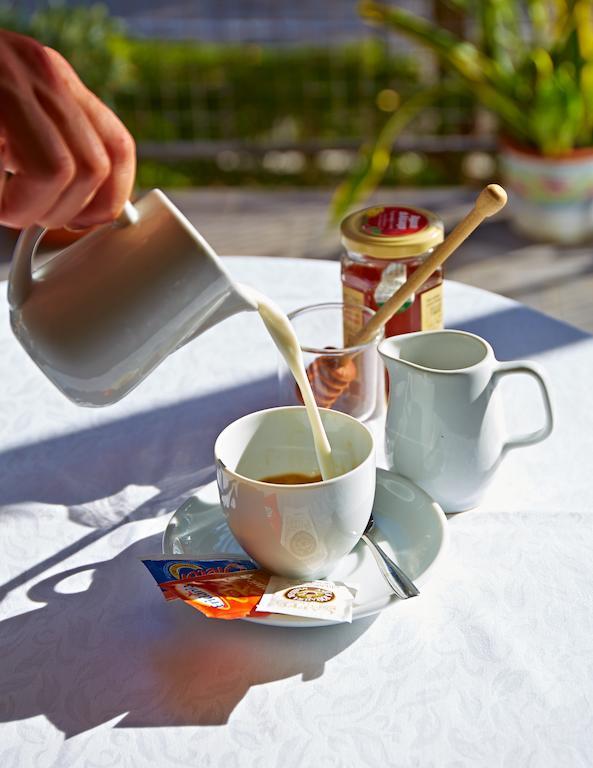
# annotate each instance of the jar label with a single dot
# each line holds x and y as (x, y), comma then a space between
(431, 309)
(353, 318)
(392, 221)
(392, 279)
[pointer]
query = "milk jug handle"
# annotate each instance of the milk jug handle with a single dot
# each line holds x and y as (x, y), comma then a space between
(537, 373)
(20, 279)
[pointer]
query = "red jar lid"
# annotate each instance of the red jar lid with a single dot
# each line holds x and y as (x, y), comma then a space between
(392, 231)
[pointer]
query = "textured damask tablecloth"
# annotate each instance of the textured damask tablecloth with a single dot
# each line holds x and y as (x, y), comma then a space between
(491, 666)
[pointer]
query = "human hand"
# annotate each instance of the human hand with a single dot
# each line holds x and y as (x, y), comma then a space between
(71, 162)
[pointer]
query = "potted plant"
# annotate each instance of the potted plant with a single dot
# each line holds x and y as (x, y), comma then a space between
(532, 67)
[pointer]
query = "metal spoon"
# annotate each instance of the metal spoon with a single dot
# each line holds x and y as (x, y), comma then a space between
(401, 584)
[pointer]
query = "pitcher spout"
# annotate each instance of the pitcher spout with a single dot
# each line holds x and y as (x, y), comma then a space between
(232, 299)
(393, 350)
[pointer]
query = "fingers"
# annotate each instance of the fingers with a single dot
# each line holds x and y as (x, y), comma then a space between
(116, 189)
(72, 162)
(40, 163)
(109, 196)
(91, 161)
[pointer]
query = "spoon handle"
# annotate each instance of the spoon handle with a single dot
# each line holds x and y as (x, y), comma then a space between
(401, 584)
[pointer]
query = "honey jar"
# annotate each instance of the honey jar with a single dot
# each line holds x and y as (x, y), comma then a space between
(383, 246)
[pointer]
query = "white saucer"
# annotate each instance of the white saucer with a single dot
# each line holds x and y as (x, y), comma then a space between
(413, 533)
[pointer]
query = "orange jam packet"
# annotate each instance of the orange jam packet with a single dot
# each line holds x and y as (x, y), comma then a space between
(223, 595)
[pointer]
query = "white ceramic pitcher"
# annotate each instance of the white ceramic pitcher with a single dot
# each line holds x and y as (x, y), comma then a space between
(445, 427)
(101, 314)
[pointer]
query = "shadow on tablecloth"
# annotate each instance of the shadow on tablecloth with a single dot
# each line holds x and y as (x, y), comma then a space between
(520, 332)
(136, 468)
(149, 448)
(117, 650)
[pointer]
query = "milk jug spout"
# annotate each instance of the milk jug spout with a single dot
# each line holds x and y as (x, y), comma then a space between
(393, 354)
(390, 352)
(231, 299)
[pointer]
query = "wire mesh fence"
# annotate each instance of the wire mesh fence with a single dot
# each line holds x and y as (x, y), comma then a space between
(256, 91)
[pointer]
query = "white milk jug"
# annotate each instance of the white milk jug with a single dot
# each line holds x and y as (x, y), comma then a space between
(104, 312)
(445, 427)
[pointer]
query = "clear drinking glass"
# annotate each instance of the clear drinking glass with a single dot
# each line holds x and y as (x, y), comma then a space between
(342, 378)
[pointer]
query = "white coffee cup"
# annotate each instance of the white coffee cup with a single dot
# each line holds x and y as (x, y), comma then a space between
(300, 531)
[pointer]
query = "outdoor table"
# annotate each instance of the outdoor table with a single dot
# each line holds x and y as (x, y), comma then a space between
(491, 666)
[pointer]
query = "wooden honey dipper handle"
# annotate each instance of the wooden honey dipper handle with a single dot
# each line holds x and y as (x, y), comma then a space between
(490, 200)
(330, 378)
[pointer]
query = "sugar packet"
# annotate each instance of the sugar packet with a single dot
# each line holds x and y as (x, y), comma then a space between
(324, 600)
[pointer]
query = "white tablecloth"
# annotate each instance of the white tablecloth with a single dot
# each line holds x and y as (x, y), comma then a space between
(491, 666)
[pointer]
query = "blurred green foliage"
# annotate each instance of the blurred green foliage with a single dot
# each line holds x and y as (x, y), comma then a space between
(87, 36)
(434, 170)
(168, 91)
(530, 65)
(263, 95)
(258, 93)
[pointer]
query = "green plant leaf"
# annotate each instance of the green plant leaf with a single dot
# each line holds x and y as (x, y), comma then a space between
(530, 77)
(373, 159)
(492, 86)
(501, 33)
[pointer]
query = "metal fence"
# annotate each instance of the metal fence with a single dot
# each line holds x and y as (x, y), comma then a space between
(236, 90)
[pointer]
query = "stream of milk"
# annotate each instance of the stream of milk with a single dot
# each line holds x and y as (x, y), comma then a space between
(284, 337)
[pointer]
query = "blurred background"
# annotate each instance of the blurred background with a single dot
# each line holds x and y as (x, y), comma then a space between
(267, 120)
(256, 92)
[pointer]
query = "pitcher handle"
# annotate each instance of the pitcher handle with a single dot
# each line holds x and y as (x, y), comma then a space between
(536, 372)
(20, 279)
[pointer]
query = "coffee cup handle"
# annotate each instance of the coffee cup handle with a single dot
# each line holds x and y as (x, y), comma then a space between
(536, 372)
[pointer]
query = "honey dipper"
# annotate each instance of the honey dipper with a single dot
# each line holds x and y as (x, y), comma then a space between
(330, 377)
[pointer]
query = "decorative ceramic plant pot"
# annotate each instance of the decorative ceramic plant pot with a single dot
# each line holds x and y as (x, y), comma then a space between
(551, 196)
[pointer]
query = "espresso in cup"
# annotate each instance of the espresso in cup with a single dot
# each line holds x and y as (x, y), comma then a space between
(292, 478)
(280, 511)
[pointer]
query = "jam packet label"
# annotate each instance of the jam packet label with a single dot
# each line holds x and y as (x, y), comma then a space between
(323, 600)
(222, 596)
(166, 569)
